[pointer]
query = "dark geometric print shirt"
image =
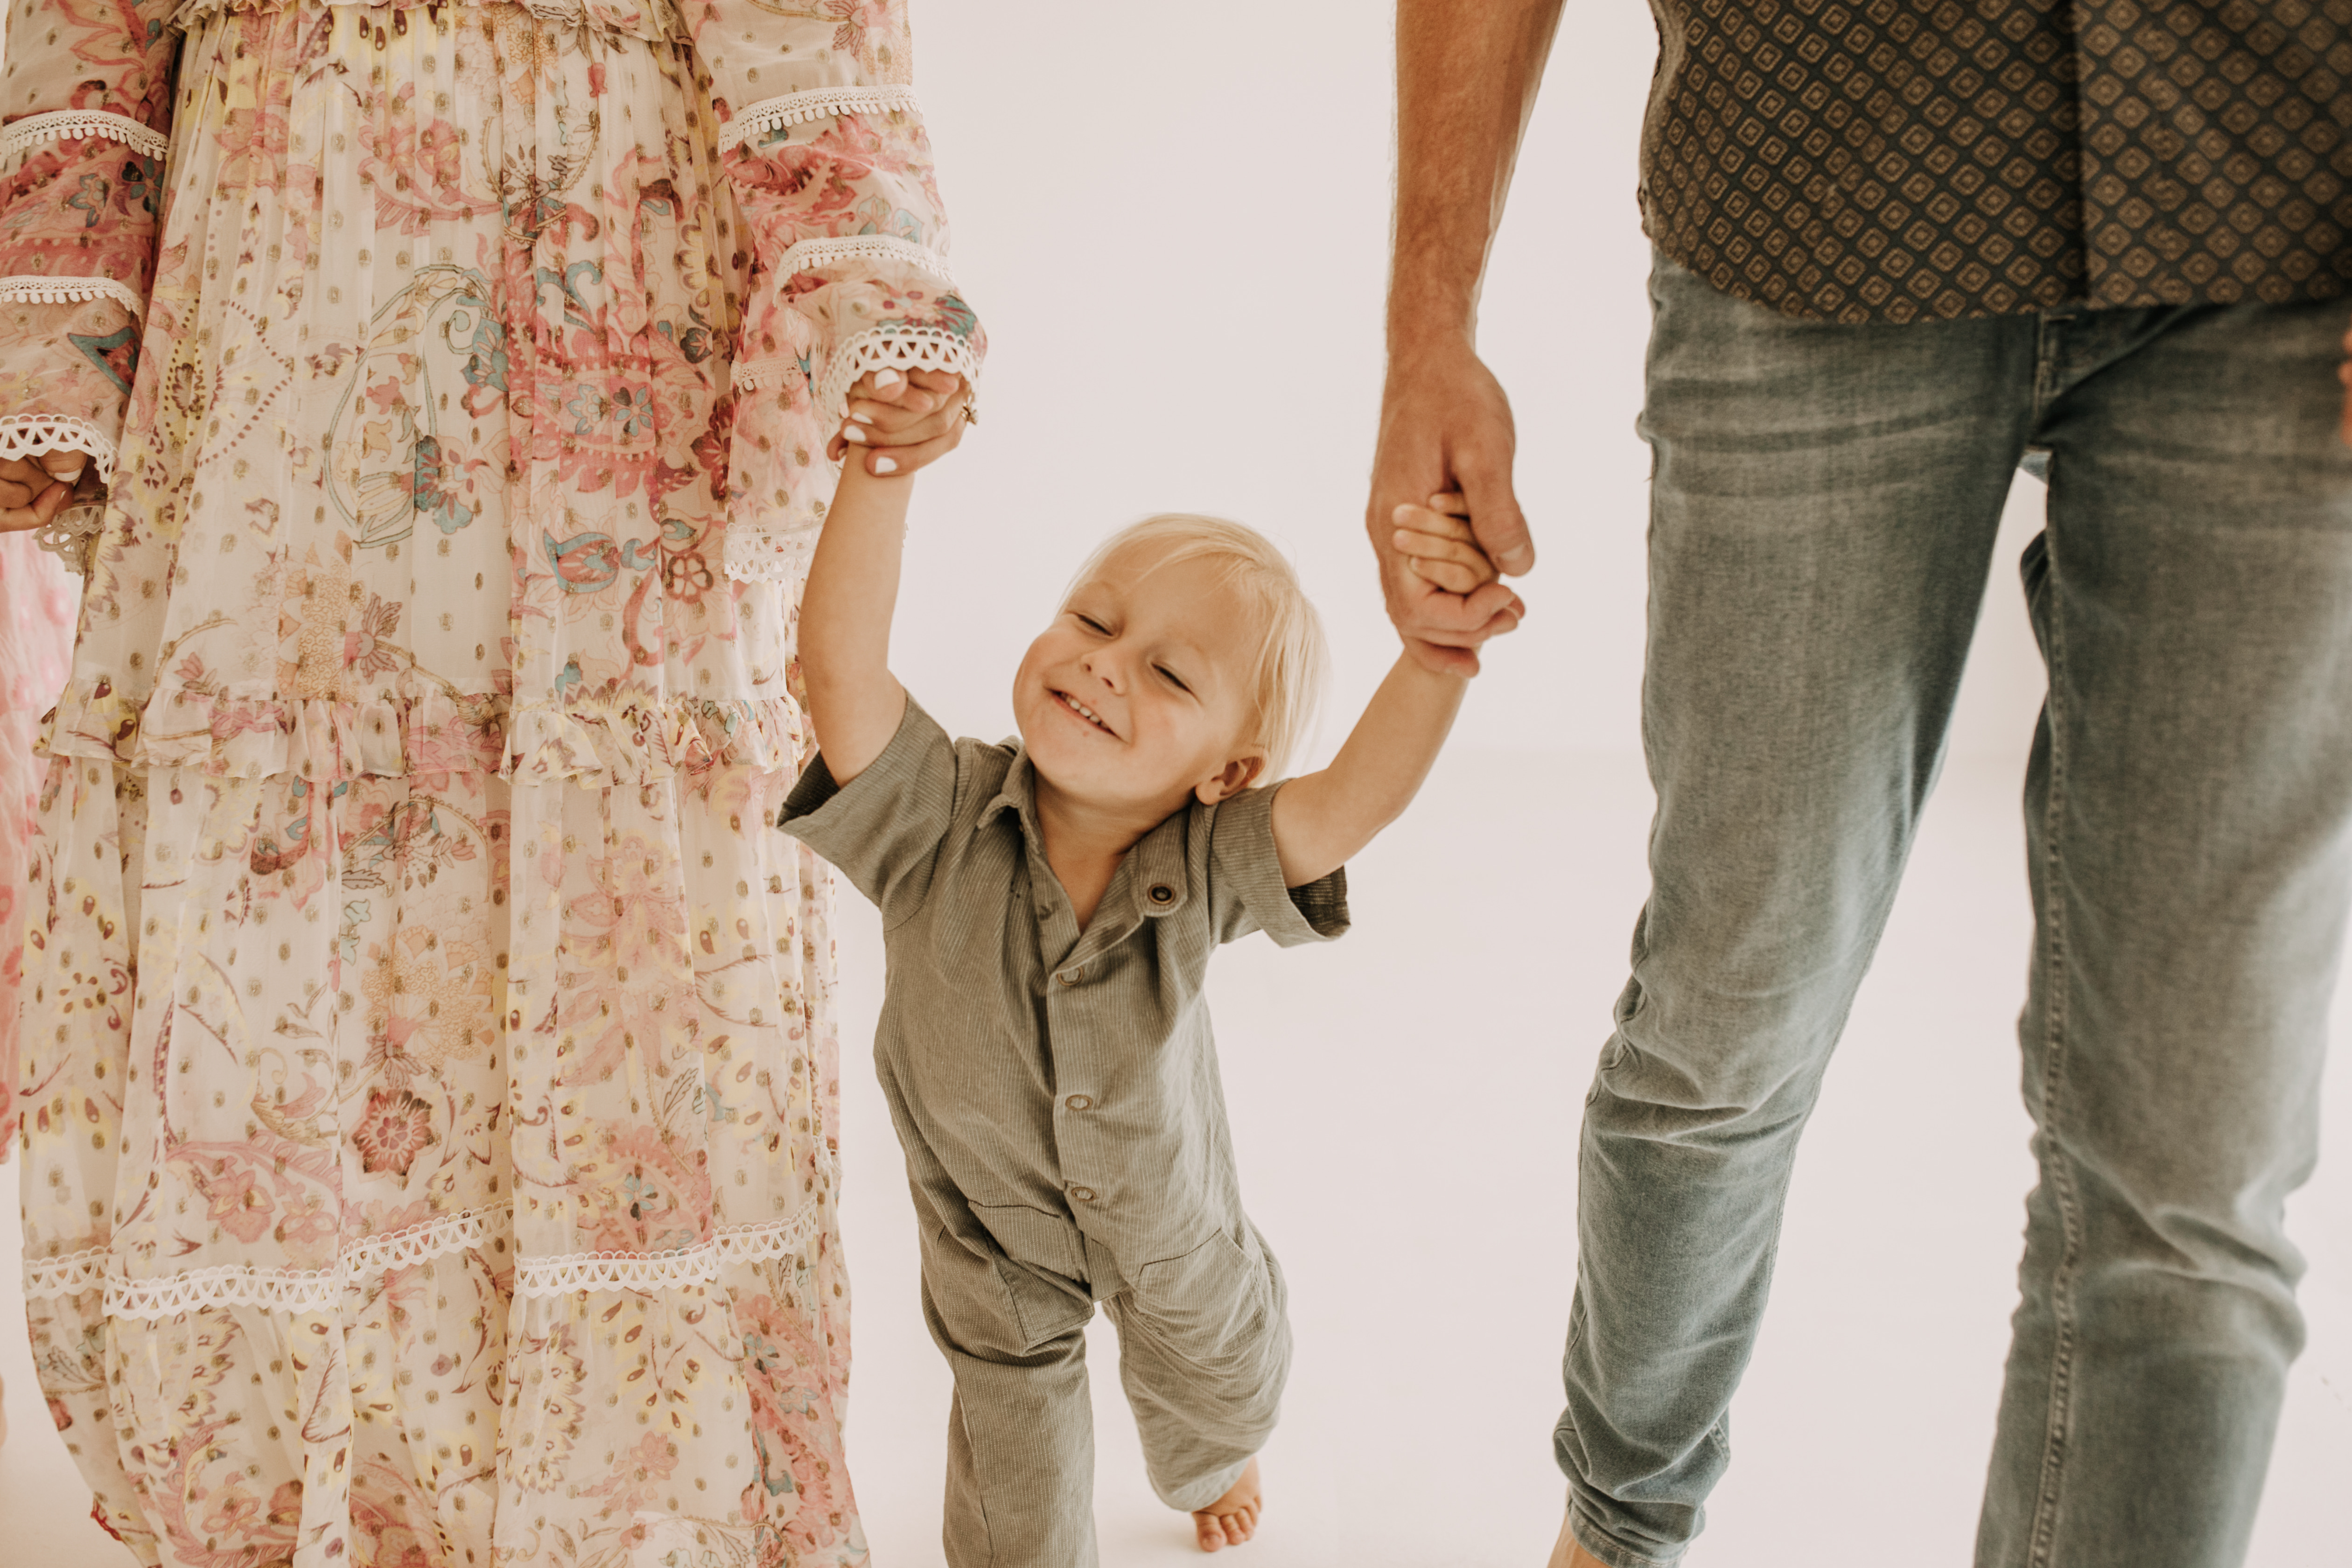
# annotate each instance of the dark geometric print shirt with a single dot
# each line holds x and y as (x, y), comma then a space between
(1903, 160)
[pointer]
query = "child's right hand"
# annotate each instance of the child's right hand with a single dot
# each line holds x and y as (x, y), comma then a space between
(1439, 546)
(902, 421)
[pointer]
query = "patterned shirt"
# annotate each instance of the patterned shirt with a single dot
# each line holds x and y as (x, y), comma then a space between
(1055, 1089)
(1899, 160)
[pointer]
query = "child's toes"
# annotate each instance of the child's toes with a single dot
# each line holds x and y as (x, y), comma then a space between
(1211, 1531)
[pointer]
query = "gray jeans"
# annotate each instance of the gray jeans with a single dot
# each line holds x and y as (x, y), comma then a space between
(1824, 512)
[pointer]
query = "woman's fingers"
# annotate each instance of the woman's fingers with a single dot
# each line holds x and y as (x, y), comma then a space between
(896, 462)
(929, 427)
(922, 406)
(38, 514)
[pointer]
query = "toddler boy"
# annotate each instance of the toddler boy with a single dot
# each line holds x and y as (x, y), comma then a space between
(1050, 907)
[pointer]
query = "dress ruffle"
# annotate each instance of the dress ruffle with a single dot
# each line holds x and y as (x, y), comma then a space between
(593, 742)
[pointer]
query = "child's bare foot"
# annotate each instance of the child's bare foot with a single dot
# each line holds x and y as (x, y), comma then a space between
(1232, 1518)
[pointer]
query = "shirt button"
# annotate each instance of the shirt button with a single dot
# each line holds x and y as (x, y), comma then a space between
(1071, 976)
(1080, 1102)
(1082, 1194)
(1161, 894)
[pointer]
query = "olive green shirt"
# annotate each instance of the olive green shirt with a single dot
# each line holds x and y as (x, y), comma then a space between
(1056, 1088)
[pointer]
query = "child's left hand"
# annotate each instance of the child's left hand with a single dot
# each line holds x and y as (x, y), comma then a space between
(903, 421)
(1439, 546)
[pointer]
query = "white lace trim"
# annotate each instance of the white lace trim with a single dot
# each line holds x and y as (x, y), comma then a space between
(70, 124)
(322, 1289)
(45, 290)
(818, 103)
(25, 435)
(832, 249)
(781, 553)
(896, 346)
(770, 554)
(68, 1275)
(67, 535)
(697, 1264)
(753, 374)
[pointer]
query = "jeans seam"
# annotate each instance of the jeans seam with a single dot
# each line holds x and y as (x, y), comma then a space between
(2040, 1539)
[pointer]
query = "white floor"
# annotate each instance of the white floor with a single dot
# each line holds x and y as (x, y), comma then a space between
(1405, 1104)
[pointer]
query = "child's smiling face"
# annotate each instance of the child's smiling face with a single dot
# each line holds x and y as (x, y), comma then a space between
(1139, 693)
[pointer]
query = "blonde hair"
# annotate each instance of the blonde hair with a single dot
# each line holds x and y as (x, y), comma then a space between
(1286, 680)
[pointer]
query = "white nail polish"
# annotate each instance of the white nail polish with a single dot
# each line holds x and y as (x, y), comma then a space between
(885, 465)
(887, 378)
(72, 476)
(852, 433)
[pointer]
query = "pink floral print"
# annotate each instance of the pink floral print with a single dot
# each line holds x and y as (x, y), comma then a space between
(429, 1071)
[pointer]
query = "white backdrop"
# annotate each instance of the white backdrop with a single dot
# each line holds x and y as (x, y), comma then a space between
(1173, 219)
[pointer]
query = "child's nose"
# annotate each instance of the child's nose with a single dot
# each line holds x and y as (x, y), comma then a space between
(1099, 664)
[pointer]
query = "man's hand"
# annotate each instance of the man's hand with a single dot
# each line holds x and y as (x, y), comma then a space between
(33, 489)
(903, 422)
(1445, 430)
(1440, 546)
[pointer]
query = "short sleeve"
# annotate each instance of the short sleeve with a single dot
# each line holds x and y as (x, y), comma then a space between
(883, 829)
(1245, 889)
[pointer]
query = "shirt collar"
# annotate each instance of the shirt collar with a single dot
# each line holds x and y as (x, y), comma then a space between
(1150, 879)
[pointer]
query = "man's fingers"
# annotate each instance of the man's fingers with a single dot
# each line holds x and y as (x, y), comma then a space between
(1495, 515)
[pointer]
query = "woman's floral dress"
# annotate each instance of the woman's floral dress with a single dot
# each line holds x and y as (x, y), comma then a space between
(427, 1059)
(37, 599)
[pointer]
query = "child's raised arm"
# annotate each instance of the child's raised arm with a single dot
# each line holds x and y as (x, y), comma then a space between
(1322, 819)
(855, 702)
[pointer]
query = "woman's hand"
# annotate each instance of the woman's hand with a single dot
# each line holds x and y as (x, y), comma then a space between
(1439, 545)
(33, 489)
(903, 422)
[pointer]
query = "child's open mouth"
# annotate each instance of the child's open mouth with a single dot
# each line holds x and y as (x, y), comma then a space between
(1083, 711)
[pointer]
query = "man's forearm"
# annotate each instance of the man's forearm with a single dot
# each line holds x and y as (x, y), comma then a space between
(1467, 72)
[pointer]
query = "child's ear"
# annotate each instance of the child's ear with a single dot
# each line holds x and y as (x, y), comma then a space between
(1231, 780)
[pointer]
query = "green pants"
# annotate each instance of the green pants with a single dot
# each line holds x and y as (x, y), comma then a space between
(1204, 1349)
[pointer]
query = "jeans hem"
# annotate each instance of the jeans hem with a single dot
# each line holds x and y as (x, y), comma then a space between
(1596, 1542)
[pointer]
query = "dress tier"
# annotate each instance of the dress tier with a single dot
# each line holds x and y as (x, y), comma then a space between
(429, 1072)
